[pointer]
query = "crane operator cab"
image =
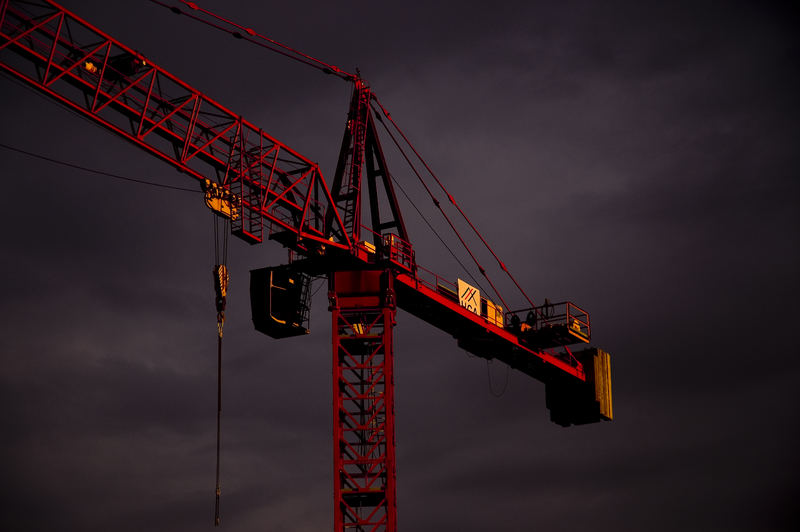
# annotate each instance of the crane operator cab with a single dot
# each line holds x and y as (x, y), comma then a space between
(279, 301)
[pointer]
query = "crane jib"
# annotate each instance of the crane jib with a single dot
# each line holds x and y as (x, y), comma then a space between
(88, 71)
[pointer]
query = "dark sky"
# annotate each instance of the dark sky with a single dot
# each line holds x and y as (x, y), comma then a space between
(638, 158)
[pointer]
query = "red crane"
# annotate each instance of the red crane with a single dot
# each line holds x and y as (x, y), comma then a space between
(269, 191)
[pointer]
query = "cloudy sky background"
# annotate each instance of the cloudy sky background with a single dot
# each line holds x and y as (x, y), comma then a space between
(637, 158)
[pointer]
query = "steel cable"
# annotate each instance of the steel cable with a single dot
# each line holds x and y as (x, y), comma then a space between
(98, 172)
(453, 201)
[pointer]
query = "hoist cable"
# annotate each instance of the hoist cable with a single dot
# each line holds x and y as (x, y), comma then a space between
(452, 200)
(252, 35)
(219, 431)
(221, 279)
(439, 206)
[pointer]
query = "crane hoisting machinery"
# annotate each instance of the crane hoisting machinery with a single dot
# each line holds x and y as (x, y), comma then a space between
(267, 190)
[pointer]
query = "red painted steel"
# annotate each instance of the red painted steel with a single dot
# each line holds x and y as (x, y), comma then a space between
(346, 185)
(428, 300)
(88, 71)
(119, 88)
(363, 313)
(282, 195)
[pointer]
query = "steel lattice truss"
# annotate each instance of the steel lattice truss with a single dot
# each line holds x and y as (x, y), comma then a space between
(88, 71)
(364, 461)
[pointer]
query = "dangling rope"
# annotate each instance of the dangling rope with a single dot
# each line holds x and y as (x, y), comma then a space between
(489, 380)
(221, 279)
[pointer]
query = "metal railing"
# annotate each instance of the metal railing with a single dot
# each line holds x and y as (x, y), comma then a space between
(398, 251)
(434, 282)
(550, 315)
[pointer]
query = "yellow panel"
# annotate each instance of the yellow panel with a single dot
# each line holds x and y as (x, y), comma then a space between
(602, 383)
(494, 313)
(469, 297)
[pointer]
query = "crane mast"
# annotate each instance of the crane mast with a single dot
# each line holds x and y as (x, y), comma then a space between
(270, 191)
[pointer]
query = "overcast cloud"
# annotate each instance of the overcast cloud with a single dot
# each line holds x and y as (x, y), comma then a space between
(637, 158)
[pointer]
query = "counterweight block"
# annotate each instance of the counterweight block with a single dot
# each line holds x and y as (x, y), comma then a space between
(573, 402)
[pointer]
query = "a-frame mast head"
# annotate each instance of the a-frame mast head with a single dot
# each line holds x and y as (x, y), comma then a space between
(361, 150)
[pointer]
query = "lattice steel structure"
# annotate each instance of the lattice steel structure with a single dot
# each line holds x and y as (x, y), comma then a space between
(90, 72)
(363, 311)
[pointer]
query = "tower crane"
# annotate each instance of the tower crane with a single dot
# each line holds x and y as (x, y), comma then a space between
(269, 191)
